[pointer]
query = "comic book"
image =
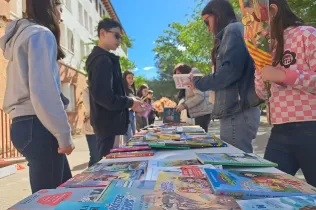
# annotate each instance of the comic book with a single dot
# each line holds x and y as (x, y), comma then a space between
(144, 153)
(127, 194)
(285, 203)
(238, 159)
(100, 178)
(183, 184)
(50, 198)
(118, 166)
(252, 185)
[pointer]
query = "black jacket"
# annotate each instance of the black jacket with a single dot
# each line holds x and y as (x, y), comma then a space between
(108, 101)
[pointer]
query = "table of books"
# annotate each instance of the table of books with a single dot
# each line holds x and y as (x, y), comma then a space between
(214, 177)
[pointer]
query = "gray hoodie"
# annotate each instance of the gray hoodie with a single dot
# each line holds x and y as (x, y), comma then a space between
(33, 80)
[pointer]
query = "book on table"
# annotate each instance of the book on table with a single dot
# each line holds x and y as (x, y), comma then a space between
(307, 202)
(100, 178)
(117, 166)
(129, 149)
(144, 153)
(172, 163)
(251, 185)
(170, 115)
(234, 159)
(65, 205)
(50, 198)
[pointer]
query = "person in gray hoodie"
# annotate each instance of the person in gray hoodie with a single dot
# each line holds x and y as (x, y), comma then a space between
(40, 128)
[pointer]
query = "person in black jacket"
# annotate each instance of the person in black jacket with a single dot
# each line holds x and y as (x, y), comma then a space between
(108, 101)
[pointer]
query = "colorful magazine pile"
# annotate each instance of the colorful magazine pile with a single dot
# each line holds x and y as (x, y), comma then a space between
(117, 166)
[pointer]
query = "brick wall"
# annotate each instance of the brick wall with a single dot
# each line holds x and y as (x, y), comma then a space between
(78, 80)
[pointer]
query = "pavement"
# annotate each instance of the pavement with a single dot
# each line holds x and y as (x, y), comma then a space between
(16, 187)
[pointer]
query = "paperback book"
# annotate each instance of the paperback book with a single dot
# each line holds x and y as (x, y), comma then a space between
(50, 198)
(182, 184)
(229, 159)
(170, 115)
(182, 81)
(118, 166)
(162, 145)
(101, 178)
(160, 136)
(80, 206)
(129, 149)
(130, 154)
(307, 202)
(252, 185)
(172, 163)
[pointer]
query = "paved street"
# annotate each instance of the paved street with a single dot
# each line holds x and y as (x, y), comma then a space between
(16, 187)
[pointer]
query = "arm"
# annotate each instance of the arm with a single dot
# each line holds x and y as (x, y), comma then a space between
(305, 80)
(260, 86)
(101, 89)
(195, 100)
(234, 54)
(44, 89)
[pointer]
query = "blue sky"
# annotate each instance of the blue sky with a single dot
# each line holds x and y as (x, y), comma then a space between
(144, 21)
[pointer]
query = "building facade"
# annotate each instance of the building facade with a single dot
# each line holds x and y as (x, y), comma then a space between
(80, 19)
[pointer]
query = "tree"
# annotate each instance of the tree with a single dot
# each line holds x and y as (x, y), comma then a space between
(305, 9)
(127, 64)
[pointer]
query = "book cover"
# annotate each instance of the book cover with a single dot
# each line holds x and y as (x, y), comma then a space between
(191, 201)
(229, 159)
(182, 81)
(307, 202)
(118, 166)
(126, 194)
(136, 143)
(130, 149)
(162, 145)
(251, 185)
(190, 129)
(80, 206)
(189, 171)
(160, 136)
(170, 115)
(172, 163)
(183, 184)
(131, 154)
(100, 179)
(50, 198)
(197, 137)
(206, 143)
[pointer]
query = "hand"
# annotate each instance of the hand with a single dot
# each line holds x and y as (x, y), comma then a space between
(67, 150)
(272, 74)
(180, 108)
(137, 106)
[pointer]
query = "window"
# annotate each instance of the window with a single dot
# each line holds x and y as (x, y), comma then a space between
(68, 4)
(86, 20)
(80, 13)
(91, 26)
(70, 38)
(82, 50)
(69, 91)
(62, 35)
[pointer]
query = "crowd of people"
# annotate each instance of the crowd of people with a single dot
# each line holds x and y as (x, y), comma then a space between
(232, 93)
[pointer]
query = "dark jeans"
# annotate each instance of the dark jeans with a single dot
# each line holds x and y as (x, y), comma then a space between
(203, 121)
(104, 145)
(241, 128)
(293, 146)
(93, 149)
(48, 169)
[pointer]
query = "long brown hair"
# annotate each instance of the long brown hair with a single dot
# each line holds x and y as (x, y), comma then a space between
(224, 14)
(283, 19)
(44, 12)
(125, 83)
(140, 90)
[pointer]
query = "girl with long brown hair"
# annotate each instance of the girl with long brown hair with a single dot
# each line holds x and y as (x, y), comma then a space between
(40, 128)
(292, 143)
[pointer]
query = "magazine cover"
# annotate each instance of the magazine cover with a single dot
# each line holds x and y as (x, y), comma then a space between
(206, 143)
(126, 194)
(118, 166)
(160, 136)
(178, 183)
(190, 129)
(228, 159)
(100, 179)
(192, 201)
(137, 143)
(50, 198)
(80, 206)
(129, 149)
(172, 163)
(130, 154)
(251, 185)
(285, 203)
(197, 137)
(170, 115)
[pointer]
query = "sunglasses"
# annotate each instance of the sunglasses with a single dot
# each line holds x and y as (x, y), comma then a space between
(116, 35)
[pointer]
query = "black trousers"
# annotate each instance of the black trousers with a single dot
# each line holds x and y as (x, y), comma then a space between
(203, 121)
(104, 145)
(293, 146)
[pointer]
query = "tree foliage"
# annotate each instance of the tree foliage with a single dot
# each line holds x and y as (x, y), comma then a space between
(305, 9)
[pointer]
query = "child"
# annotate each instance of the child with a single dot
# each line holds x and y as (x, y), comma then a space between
(292, 143)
